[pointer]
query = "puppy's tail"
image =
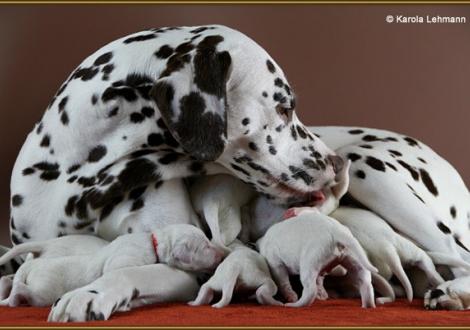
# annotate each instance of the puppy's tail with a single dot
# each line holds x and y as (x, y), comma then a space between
(31, 247)
(356, 249)
(211, 215)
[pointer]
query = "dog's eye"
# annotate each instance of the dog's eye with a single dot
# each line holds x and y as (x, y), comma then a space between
(286, 114)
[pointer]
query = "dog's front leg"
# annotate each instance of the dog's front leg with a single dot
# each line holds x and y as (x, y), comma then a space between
(122, 290)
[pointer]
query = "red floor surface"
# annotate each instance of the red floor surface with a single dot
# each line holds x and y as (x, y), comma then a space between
(339, 312)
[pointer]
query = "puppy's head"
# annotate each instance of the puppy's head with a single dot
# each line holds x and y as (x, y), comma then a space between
(191, 250)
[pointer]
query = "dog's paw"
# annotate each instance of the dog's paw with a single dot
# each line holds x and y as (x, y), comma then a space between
(451, 295)
(82, 305)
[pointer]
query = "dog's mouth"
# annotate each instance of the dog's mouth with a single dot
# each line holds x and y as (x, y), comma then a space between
(300, 198)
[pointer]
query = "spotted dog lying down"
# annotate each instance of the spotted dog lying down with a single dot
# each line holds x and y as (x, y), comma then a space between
(289, 248)
(41, 281)
(243, 269)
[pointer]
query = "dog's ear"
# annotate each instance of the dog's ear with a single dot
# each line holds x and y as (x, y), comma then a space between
(191, 96)
(181, 254)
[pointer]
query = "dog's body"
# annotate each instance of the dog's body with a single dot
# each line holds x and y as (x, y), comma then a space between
(156, 105)
(41, 281)
(243, 269)
(408, 185)
(293, 247)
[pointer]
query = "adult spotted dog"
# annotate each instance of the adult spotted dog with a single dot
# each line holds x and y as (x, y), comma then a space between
(158, 105)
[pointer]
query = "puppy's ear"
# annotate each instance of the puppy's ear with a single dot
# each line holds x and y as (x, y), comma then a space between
(191, 96)
(181, 254)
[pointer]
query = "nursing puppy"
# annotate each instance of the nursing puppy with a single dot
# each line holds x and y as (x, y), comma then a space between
(39, 282)
(218, 199)
(389, 251)
(262, 213)
(311, 244)
(72, 245)
(243, 269)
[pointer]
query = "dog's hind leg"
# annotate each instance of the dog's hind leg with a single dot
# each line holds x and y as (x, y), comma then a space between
(227, 289)
(6, 283)
(204, 297)
(265, 293)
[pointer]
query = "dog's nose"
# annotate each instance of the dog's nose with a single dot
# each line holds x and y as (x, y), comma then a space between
(337, 162)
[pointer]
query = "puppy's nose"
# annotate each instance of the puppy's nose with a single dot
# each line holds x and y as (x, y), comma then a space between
(337, 162)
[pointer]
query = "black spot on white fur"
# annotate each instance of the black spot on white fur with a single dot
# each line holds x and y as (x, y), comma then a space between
(97, 153)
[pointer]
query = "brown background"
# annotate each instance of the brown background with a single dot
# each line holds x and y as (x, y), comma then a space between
(346, 64)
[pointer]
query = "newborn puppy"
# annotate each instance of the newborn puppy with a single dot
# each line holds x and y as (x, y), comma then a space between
(71, 245)
(389, 251)
(243, 269)
(311, 244)
(39, 282)
(219, 199)
(262, 213)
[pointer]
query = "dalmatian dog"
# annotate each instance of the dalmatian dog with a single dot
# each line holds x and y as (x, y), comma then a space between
(219, 200)
(243, 269)
(157, 105)
(294, 247)
(73, 245)
(41, 281)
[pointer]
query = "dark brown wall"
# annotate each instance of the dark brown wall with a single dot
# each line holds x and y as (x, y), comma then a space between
(347, 65)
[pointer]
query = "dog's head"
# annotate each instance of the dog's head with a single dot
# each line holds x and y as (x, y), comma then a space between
(190, 249)
(225, 99)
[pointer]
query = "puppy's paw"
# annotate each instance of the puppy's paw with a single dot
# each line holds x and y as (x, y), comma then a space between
(451, 295)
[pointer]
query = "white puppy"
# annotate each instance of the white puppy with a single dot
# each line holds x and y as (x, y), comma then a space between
(243, 269)
(218, 199)
(72, 245)
(389, 251)
(262, 213)
(311, 244)
(39, 282)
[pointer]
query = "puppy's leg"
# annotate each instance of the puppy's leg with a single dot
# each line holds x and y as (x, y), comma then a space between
(265, 293)
(308, 278)
(227, 290)
(384, 288)
(20, 295)
(413, 255)
(204, 297)
(281, 277)
(363, 279)
(6, 283)
(321, 291)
